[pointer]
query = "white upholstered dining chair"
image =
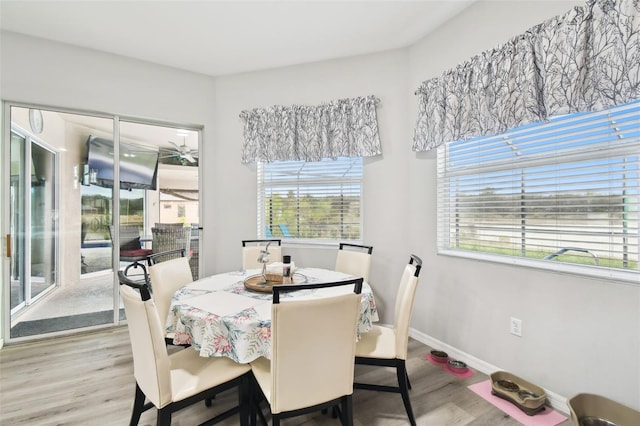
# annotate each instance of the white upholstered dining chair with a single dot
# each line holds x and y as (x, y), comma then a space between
(173, 382)
(387, 346)
(167, 278)
(312, 355)
(251, 252)
(354, 259)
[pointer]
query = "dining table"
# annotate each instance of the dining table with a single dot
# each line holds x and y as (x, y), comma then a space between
(220, 317)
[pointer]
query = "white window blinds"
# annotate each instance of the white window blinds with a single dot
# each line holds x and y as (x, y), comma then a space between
(563, 191)
(310, 200)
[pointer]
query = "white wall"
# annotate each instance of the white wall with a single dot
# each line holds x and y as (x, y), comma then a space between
(579, 334)
(56, 75)
(385, 195)
(575, 330)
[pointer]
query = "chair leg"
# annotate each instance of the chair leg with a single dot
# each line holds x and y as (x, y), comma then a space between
(334, 412)
(408, 382)
(138, 406)
(208, 402)
(275, 420)
(347, 411)
(254, 404)
(164, 417)
(401, 372)
(244, 400)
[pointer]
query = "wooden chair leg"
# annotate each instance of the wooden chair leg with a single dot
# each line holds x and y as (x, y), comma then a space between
(138, 406)
(401, 372)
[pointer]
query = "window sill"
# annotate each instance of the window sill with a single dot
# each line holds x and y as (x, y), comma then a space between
(314, 243)
(593, 272)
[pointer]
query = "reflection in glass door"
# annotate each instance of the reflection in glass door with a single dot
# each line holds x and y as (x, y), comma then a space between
(61, 274)
(63, 201)
(17, 193)
(33, 213)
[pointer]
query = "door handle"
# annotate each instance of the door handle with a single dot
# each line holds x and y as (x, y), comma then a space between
(8, 245)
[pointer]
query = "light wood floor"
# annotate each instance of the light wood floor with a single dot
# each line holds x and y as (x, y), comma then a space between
(88, 380)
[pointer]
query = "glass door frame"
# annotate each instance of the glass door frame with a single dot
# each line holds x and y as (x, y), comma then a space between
(26, 275)
(5, 217)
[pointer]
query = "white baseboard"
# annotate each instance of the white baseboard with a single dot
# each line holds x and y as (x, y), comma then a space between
(1, 343)
(557, 402)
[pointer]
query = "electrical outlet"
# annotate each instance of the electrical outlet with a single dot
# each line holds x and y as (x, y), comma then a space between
(516, 326)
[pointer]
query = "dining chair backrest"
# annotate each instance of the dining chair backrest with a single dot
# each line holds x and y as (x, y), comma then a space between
(140, 285)
(167, 278)
(161, 225)
(169, 239)
(129, 237)
(151, 364)
(404, 304)
(313, 347)
(354, 259)
(251, 252)
(130, 250)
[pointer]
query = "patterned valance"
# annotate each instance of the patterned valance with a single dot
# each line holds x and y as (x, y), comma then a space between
(341, 128)
(587, 59)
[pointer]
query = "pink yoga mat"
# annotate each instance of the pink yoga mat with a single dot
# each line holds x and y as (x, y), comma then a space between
(446, 368)
(547, 417)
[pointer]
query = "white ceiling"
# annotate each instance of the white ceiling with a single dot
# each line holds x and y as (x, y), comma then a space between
(228, 37)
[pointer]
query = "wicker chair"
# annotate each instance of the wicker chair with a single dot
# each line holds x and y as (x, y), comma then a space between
(159, 225)
(170, 239)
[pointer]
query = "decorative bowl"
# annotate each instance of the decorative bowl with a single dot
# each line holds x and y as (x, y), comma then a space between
(457, 366)
(439, 356)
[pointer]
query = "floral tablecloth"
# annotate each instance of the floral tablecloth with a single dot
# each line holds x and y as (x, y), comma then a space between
(217, 316)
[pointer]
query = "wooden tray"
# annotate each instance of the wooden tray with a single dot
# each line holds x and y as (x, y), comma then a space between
(255, 282)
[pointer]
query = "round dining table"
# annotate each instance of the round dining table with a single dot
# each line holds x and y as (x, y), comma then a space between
(219, 317)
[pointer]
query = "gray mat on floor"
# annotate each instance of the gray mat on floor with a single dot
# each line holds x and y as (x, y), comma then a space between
(49, 325)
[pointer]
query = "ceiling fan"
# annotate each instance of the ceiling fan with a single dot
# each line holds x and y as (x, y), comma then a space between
(181, 153)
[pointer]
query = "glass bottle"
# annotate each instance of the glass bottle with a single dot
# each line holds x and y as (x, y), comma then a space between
(286, 269)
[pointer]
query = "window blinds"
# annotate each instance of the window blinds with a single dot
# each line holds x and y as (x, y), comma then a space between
(310, 200)
(565, 190)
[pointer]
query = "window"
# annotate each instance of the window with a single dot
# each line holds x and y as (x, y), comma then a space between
(310, 200)
(561, 193)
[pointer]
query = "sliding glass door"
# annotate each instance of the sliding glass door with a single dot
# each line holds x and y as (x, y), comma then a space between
(33, 216)
(65, 200)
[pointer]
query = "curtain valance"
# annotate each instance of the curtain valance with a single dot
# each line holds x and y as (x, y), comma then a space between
(340, 128)
(587, 59)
